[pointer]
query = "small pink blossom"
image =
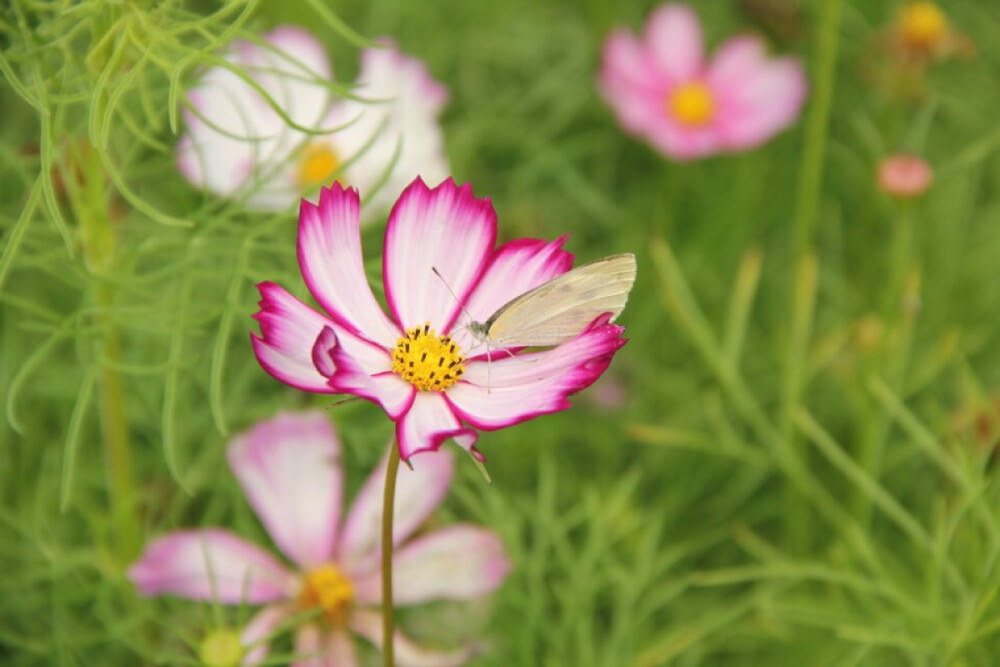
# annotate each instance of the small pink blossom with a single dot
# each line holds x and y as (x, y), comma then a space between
(905, 176)
(663, 90)
(289, 469)
(413, 364)
(237, 145)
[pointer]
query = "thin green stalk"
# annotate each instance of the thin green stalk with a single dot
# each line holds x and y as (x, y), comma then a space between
(902, 287)
(88, 199)
(803, 308)
(388, 502)
(811, 169)
(803, 226)
(117, 445)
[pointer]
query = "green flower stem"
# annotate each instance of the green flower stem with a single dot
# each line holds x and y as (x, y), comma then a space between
(811, 169)
(899, 314)
(804, 262)
(88, 195)
(388, 503)
(117, 444)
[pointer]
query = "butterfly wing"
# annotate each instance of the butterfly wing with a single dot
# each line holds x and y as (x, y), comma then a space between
(560, 309)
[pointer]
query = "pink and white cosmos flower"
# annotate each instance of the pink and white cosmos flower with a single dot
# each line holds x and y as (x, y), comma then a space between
(289, 468)
(662, 89)
(412, 364)
(237, 145)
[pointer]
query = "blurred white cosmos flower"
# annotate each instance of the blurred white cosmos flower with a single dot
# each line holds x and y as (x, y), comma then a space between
(289, 468)
(238, 145)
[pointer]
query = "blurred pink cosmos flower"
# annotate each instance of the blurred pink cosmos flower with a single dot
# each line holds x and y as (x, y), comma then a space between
(904, 176)
(662, 89)
(237, 145)
(413, 365)
(289, 468)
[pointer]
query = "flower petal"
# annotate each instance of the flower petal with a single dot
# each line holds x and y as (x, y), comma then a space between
(289, 468)
(627, 62)
(514, 268)
(236, 141)
(387, 73)
(317, 647)
(408, 653)
(399, 136)
(224, 162)
(673, 36)
(445, 228)
(683, 143)
(418, 493)
(293, 68)
(348, 372)
(460, 562)
(509, 390)
(294, 71)
(258, 631)
(210, 564)
(329, 250)
(428, 423)
(632, 84)
(735, 59)
(757, 97)
(289, 329)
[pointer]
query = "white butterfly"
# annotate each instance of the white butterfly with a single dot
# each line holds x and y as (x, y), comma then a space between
(557, 311)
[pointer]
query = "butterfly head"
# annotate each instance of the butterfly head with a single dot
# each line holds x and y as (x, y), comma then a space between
(479, 330)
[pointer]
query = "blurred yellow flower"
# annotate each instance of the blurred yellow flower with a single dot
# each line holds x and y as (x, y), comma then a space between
(922, 25)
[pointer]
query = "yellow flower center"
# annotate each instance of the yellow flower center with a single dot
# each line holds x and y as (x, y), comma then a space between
(923, 24)
(319, 163)
(427, 361)
(222, 648)
(327, 588)
(692, 104)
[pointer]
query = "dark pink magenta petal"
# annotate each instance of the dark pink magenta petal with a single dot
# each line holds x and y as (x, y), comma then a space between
(211, 564)
(289, 468)
(418, 493)
(348, 375)
(445, 228)
(428, 423)
(459, 562)
(288, 330)
(509, 390)
(408, 653)
(329, 250)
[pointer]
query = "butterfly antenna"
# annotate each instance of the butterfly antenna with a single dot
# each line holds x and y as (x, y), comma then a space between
(453, 295)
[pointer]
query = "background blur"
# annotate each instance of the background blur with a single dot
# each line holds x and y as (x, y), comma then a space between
(790, 463)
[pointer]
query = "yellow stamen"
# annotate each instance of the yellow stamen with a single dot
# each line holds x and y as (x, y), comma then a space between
(692, 104)
(319, 163)
(327, 588)
(427, 361)
(923, 25)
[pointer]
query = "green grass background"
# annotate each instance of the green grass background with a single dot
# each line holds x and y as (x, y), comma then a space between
(788, 481)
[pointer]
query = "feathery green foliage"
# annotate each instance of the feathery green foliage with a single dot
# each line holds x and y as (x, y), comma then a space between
(798, 475)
